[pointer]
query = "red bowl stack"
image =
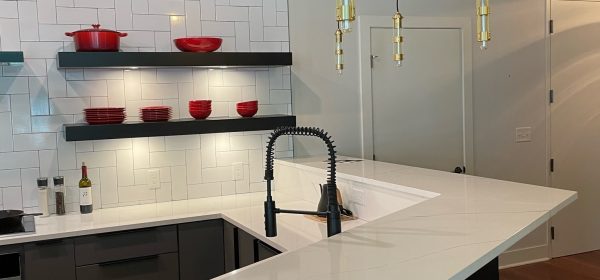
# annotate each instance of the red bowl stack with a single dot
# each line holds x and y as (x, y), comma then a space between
(200, 109)
(155, 113)
(104, 115)
(247, 109)
(198, 44)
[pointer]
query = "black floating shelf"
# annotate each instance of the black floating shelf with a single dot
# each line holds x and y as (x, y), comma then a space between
(11, 57)
(171, 59)
(82, 132)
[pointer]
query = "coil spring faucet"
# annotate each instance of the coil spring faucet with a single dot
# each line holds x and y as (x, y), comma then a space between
(334, 222)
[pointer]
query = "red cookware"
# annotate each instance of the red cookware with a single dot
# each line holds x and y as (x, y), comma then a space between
(96, 39)
(198, 44)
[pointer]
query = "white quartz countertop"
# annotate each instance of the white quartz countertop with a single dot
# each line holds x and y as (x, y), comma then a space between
(449, 236)
(468, 222)
(243, 210)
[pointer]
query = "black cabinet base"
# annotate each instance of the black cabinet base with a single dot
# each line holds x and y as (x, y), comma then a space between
(489, 271)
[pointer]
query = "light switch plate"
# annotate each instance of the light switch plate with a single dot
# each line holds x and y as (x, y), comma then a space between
(154, 179)
(238, 171)
(523, 134)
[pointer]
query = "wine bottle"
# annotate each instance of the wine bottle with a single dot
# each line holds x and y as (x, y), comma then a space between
(85, 192)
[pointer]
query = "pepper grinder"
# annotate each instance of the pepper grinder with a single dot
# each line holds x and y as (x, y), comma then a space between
(42, 184)
(59, 193)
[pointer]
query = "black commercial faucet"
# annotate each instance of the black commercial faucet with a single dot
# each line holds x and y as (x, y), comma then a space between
(334, 222)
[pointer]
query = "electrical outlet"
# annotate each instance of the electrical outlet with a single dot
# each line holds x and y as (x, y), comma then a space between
(154, 179)
(357, 196)
(238, 171)
(523, 134)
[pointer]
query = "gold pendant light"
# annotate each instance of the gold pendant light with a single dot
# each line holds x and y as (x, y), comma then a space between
(339, 52)
(345, 14)
(398, 39)
(483, 23)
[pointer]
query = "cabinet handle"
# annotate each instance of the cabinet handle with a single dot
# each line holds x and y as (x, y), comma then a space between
(128, 260)
(113, 233)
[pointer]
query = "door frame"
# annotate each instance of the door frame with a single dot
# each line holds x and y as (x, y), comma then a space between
(365, 24)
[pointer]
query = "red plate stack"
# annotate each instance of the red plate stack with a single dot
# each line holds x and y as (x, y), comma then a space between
(200, 109)
(247, 109)
(155, 113)
(104, 115)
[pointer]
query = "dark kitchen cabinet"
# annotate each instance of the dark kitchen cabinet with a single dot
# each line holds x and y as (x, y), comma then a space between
(55, 258)
(197, 250)
(201, 250)
(116, 246)
(158, 267)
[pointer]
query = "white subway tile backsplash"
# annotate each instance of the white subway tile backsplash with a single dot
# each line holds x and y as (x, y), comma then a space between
(34, 142)
(151, 22)
(168, 158)
(166, 7)
(11, 40)
(102, 74)
(6, 140)
(215, 28)
(48, 163)
(217, 174)
(208, 10)
(21, 113)
(10, 178)
(107, 18)
(19, 160)
(159, 91)
(8, 9)
(14, 85)
(139, 6)
(28, 21)
(108, 185)
(204, 190)
(179, 185)
(52, 123)
(12, 198)
(193, 166)
(38, 87)
(98, 159)
(85, 16)
(232, 13)
(192, 18)
(65, 106)
(36, 99)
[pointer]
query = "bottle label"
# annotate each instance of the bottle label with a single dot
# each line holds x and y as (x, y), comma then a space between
(85, 196)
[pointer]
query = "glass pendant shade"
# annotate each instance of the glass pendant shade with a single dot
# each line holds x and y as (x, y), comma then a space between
(345, 14)
(483, 23)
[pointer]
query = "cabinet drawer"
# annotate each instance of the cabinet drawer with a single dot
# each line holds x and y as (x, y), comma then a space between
(158, 267)
(55, 255)
(125, 245)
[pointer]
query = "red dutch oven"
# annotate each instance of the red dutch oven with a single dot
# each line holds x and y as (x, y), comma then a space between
(96, 39)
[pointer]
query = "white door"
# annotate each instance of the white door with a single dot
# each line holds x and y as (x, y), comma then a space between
(419, 108)
(575, 120)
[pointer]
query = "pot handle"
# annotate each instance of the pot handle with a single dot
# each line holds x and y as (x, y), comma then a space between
(122, 34)
(70, 34)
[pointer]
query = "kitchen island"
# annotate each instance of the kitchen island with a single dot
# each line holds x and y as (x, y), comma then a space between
(413, 223)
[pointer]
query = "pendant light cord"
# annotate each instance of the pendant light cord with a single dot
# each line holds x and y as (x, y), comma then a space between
(397, 6)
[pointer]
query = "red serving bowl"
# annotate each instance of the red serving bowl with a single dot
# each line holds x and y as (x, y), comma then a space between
(200, 115)
(246, 113)
(248, 103)
(198, 44)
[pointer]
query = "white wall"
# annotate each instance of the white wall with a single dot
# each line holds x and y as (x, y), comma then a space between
(37, 99)
(509, 88)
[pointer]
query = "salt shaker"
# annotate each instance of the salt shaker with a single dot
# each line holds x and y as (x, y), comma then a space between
(42, 184)
(59, 193)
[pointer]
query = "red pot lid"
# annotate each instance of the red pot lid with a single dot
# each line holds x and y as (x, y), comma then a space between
(96, 28)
